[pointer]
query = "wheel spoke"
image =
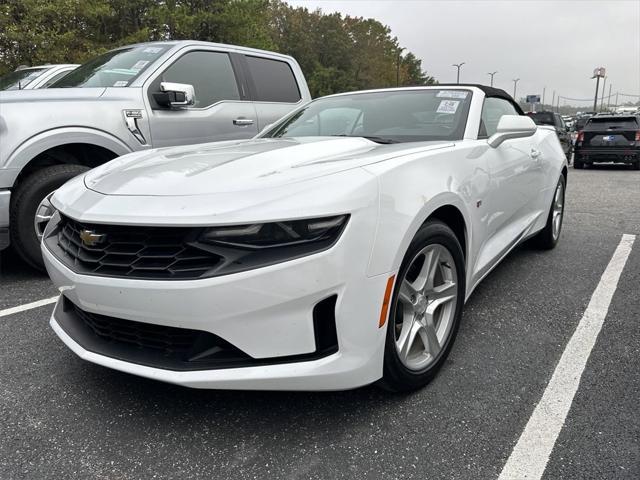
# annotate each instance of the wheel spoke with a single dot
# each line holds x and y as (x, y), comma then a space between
(407, 293)
(428, 270)
(407, 337)
(444, 292)
(43, 218)
(429, 337)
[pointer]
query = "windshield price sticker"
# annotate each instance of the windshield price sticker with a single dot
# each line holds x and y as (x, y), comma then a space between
(152, 50)
(139, 65)
(448, 106)
(451, 94)
(121, 83)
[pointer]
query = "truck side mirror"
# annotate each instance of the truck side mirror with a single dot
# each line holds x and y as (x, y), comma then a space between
(175, 95)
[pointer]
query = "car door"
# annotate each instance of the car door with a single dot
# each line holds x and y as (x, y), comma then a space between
(516, 175)
(221, 110)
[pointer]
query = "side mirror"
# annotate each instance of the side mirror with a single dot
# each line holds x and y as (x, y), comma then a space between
(175, 95)
(510, 127)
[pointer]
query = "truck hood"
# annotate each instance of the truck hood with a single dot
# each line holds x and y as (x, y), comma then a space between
(234, 166)
(50, 95)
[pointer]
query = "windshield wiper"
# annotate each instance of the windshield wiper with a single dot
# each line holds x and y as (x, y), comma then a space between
(381, 140)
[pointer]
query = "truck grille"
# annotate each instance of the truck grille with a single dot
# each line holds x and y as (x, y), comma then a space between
(131, 251)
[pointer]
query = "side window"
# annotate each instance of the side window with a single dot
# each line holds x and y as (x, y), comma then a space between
(274, 80)
(492, 110)
(210, 73)
(54, 79)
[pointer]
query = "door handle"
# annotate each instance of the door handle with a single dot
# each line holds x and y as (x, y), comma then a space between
(534, 153)
(242, 121)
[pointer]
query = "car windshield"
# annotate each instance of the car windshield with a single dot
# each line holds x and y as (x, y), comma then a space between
(20, 78)
(384, 117)
(117, 68)
(542, 118)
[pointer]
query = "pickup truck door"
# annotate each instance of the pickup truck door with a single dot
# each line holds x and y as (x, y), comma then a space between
(516, 180)
(221, 110)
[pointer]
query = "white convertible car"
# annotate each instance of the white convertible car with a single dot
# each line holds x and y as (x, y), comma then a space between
(334, 250)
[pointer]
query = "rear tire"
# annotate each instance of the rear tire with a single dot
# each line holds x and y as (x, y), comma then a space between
(550, 234)
(25, 200)
(435, 311)
(577, 164)
(636, 166)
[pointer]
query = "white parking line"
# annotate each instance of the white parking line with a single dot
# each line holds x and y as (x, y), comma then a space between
(529, 457)
(27, 306)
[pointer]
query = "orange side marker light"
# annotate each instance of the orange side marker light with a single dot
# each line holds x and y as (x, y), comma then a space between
(385, 301)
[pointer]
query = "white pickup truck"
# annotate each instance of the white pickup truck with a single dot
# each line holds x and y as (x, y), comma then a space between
(133, 98)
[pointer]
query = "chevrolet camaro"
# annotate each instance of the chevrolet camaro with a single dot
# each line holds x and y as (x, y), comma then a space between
(334, 250)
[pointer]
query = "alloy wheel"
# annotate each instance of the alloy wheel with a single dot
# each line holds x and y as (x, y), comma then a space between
(43, 215)
(426, 306)
(558, 210)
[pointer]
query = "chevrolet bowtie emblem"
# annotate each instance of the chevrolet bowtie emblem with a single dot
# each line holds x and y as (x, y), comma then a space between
(90, 238)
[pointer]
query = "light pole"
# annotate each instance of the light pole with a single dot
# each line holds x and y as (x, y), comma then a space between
(515, 84)
(604, 86)
(491, 74)
(597, 73)
(458, 66)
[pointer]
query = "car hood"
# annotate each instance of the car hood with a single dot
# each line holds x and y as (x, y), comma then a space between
(50, 95)
(233, 166)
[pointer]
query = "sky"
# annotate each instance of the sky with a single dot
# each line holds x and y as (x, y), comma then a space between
(548, 44)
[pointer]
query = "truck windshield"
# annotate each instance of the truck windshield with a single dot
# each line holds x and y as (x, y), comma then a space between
(117, 68)
(383, 117)
(20, 78)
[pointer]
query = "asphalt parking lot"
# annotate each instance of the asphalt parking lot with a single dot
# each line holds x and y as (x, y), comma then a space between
(64, 418)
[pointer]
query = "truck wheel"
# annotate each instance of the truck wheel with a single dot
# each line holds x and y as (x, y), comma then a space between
(577, 164)
(26, 199)
(636, 166)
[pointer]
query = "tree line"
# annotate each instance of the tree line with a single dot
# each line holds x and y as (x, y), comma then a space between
(337, 53)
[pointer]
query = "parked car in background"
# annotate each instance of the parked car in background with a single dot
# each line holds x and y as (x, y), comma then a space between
(133, 98)
(29, 78)
(335, 250)
(555, 120)
(609, 139)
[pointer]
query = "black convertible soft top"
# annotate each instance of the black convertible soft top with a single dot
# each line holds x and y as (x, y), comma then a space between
(488, 91)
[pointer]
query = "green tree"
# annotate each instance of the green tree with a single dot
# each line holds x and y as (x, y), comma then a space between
(336, 53)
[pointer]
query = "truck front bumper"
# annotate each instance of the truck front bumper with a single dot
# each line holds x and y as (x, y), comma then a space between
(5, 198)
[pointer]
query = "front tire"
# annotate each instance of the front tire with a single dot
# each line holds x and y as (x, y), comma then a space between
(26, 199)
(426, 308)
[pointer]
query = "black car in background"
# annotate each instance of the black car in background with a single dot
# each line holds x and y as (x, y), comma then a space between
(609, 139)
(555, 120)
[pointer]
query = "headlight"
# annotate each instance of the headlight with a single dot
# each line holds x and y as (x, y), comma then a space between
(256, 245)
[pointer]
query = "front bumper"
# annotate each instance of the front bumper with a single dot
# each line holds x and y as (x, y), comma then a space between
(266, 313)
(608, 155)
(5, 200)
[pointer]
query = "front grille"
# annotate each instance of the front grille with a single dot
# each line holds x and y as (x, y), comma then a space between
(132, 251)
(180, 349)
(168, 341)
